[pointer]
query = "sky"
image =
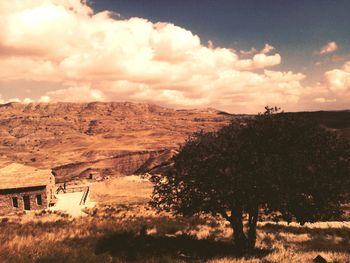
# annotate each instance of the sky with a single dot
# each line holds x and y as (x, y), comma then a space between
(232, 55)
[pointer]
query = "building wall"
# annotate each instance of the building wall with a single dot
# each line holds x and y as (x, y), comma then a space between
(50, 191)
(6, 195)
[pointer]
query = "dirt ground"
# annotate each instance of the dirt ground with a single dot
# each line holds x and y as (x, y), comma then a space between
(121, 190)
(69, 203)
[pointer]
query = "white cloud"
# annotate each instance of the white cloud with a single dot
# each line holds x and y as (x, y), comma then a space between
(339, 79)
(267, 49)
(97, 57)
(74, 94)
(262, 60)
(44, 99)
(334, 91)
(27, 100)
(324, 100)
(14, 100)
(330, 47)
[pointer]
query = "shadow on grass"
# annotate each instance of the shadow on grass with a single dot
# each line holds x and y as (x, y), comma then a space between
(320, 239)
(131, 247)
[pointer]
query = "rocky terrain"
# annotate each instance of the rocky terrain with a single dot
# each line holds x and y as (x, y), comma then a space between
(97, 138)
(140, 162)
(94, 140)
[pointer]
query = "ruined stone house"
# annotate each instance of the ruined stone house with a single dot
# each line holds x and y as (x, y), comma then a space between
(25, 188)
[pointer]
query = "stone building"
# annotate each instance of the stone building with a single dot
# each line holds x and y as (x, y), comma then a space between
(25, 188)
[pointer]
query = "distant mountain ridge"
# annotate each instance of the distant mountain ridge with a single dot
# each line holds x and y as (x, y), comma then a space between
(57, 134)
(76, 139)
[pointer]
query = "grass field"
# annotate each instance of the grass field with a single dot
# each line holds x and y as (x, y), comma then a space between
(123, 229)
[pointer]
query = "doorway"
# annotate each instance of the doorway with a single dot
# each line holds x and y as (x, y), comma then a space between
(26, 202)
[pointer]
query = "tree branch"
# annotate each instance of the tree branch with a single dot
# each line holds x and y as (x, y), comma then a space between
(225, 215)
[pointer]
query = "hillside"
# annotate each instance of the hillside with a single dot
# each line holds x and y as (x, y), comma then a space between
(100, 139)
(335, 120)
(112, 137)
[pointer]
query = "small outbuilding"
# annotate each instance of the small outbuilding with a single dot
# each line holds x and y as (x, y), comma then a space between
(25, 188)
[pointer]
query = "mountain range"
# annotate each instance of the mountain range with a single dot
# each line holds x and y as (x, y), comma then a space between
(85, 140)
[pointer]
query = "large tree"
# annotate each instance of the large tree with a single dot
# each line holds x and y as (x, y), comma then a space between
(274, 162)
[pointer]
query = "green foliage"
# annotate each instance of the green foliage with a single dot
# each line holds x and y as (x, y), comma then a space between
(276, 162)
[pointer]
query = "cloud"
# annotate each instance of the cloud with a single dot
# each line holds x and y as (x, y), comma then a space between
(25, 100)
(267, 49)
(75, 94)
(330, 47)
(101, 57)
(324, 100)
(250, 52)
(339, 79)
(262, 60)
(44, 99)
(333, 92)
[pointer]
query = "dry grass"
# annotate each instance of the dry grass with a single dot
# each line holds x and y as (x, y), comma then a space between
(111, 233)
(121, 190)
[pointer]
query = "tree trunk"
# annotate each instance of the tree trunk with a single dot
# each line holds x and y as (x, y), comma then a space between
(253, 219)
(240, 238)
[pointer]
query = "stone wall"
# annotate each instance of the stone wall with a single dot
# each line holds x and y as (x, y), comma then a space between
(6, 195)
(50, 191)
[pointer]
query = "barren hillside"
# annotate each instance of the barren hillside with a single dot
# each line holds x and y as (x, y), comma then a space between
(80, 139)
(95, 136)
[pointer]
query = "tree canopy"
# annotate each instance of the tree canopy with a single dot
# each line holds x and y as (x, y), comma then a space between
(273, 162)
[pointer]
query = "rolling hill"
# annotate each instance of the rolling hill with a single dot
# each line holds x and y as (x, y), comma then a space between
(78, 138)
(82, 140)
